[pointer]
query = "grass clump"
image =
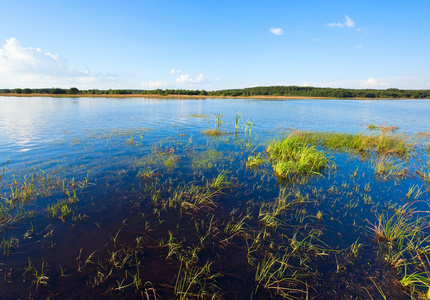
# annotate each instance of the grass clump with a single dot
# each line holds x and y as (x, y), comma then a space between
(386, 167)
(382, 143)
(212, 132)
(206, 160)
(221, 181)
(217, 130)
(383, 128)
(294, 157)
(61, 209)
(255, 161)
(146, 173)
(171, 161)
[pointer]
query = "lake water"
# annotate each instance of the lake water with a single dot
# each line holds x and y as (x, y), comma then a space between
(98, 193)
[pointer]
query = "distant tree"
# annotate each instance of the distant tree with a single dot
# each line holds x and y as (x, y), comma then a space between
(73, 91)
(57, 91)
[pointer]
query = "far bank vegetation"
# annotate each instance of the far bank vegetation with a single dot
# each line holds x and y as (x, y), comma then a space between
(269, 91)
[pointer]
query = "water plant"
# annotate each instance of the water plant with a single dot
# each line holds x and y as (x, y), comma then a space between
(206, 160)
(237, 120)
(255, 161)
(146, 173)
(221, 181)
(218, 121)
(195, 281)
(387, 167)
(383, 143)
(294, 157)
(9, 245)
(248, 127)
(274, 275)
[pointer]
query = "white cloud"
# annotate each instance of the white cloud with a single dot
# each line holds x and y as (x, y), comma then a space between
(374, 83)
(32, 66)
(348, 23)
(173, 71)
(17, 59)
(154, 84)
(358, 46)
(304, 84)
(185, 78)
(276, 31)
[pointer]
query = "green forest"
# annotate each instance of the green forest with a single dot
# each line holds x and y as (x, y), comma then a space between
(286, 91)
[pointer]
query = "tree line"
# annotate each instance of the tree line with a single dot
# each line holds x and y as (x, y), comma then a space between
(282, 91)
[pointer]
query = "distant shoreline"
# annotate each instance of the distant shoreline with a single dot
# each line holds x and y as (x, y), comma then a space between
(188, 96)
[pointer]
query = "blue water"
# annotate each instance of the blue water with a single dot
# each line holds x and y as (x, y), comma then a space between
(102, 144)
(32, 124)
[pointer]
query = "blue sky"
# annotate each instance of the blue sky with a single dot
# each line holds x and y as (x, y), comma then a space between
(214, 44)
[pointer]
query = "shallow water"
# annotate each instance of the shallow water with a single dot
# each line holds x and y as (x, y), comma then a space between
(29, 124)
(99, 148)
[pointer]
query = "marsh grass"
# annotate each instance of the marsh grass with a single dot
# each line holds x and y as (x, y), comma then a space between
(195, 282)
(424, 172)
(254, 161)
(274, 275)
(383, 128)
(192, 236)
(189, 198)
(61, 209)
(206, 160)
(146, 173)
(294, 157)
(237, 120)
(382, 143)
(387, 167)
(9, 245)
(221, 181)
(213, 132)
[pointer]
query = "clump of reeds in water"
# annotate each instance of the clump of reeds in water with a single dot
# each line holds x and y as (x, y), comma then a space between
(217, 130)
(293, 156)
(383, 142)
(255, 161)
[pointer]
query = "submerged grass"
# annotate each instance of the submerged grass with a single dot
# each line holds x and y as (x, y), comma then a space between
(255, 161)
(206, 160)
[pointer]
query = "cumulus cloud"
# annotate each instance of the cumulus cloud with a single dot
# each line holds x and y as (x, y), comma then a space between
(276, 31)
(18, 59)
(37, 66)
(173, 71)
(374, 83)
(348, 23)
(154, 84)
(185, 78)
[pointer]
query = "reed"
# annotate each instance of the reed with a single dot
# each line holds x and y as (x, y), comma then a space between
(387, 167)
(195, 282)
(274, 274)
(255, 161)
(383, 143)
(294, 157)
(237, 120)
(221, 181)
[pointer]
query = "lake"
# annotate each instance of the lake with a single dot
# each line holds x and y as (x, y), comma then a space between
(160, 199)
